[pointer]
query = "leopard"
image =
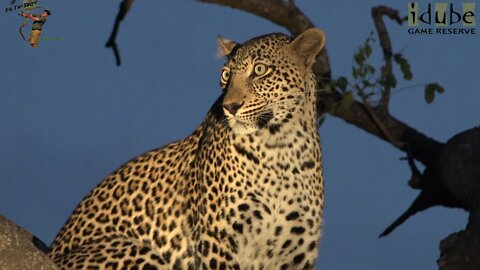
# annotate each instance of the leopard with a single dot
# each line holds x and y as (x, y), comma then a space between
(243, 191)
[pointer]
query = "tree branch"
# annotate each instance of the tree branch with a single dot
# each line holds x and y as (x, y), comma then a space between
(377, 15)
(285, 14)
(111, 43)
(415, 181)
(385, 43)
(422, 147)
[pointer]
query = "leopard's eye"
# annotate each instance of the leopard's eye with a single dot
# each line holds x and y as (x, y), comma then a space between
(260, 69)
(225, 75)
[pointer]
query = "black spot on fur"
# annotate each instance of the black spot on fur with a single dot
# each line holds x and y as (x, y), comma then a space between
(213, 263)
(293, 215)
(297, 230)
(308, 165)
(243, 207)
(299, 258)
(274, 129)
(238, 227)
(242, 151)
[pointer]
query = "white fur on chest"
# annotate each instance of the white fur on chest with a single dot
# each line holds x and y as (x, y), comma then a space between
(282, 196)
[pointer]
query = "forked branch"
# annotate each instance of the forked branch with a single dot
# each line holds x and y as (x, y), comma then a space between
(377, 15)
(112, 43)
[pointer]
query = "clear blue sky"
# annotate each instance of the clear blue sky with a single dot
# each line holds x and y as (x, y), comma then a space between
(69, 116)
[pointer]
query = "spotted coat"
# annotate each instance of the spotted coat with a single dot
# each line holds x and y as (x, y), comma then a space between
(243, 191)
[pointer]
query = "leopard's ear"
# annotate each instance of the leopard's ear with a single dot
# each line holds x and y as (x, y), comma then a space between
(308, 45)
(225, 46)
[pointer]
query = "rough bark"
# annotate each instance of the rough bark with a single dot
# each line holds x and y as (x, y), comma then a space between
(21, 250)
(460, 174)
(460, 251)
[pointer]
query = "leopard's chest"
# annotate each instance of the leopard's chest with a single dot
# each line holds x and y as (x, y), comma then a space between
(265, 202)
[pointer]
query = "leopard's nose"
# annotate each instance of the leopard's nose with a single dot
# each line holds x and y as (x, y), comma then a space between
(233, 107)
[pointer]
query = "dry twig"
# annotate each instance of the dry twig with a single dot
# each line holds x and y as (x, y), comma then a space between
(111, 43)
(377, 15)
(386, 44)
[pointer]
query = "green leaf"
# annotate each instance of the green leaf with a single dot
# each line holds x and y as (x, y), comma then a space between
(407, 73)
(367, 49)
(366, 84)
(404, 66)
(429, 93)
(398, 58)
(392, 81)
(342, 83)
(389, 81)
(359, 57)
(362, 72)
(370, 69)
(355, 72)
(439, 88)
(347, 100)
(430, 90)
(371, 37)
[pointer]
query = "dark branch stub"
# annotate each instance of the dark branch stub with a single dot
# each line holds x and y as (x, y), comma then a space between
(421, 203)
(452, 180)
(416, 179)
(111, 43)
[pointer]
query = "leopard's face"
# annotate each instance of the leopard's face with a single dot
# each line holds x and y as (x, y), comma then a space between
(264, 83)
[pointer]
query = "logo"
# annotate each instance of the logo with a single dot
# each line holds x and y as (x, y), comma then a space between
(442, 18)
(26, 5)
(37, 15)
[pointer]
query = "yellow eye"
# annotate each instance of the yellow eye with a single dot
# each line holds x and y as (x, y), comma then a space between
(260, 69)
(225, 75)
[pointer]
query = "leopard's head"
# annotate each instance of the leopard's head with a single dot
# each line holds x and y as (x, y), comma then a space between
(267, 80)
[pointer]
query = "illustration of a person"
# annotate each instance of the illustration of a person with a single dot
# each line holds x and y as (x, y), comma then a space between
(38, 21)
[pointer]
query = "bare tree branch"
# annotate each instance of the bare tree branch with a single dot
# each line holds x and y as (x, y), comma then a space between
(415, 181)
(288, 15)
(111, 43)
(385, 43)
(283, 13)
(423, 148)
(377, 15)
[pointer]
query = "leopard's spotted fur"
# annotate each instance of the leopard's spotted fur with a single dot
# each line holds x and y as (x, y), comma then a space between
(244, 191)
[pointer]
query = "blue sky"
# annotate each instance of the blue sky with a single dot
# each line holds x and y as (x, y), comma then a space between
(69, 116)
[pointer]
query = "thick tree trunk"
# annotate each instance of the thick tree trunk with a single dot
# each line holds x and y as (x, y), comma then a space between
(461, 250)
(21, 250)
